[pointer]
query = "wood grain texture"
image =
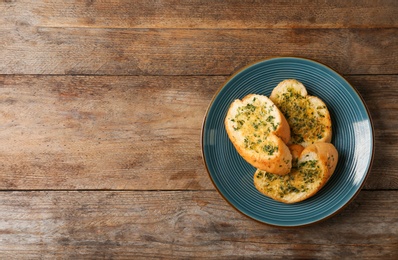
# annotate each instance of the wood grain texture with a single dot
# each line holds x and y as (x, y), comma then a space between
(38, 50)
(135, 132)
(120, 225)
(103, 132)
(201, 14)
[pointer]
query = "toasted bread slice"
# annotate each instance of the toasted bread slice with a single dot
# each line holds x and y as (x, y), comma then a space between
(315, 165)
(308, 116)
(259, 132)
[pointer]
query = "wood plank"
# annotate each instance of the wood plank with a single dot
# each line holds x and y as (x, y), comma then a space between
(120, 225)
(34, 50)
(200, 14)
(104, 132)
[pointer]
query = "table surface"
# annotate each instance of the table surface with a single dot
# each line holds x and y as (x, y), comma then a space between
(102, 103)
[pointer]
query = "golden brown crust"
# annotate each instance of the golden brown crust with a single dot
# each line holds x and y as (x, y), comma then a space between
(295, 150)
(327, 154)
(316, 165)
(259, 131)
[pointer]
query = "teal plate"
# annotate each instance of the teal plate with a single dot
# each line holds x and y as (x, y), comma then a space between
(353, 136)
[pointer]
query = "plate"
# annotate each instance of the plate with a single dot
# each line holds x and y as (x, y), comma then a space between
(353, 137)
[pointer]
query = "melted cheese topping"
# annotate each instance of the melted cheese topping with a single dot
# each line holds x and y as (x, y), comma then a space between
(255, 123)
(304, 120)
(299, 180)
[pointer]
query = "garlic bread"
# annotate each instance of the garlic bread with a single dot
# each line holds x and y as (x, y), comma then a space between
(308, 117)
(315, 165)
(259, 132)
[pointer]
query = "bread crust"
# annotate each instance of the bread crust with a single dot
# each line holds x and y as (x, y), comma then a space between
(315, 166)
(295, 150)
(308, 116)
(259, 132)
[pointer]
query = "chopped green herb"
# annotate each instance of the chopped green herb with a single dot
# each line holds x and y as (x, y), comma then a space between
(270, 149)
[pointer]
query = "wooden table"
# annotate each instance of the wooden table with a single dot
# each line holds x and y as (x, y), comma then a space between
(101, 107)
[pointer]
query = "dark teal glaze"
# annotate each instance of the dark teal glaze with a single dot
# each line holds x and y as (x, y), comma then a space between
(352, 136)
